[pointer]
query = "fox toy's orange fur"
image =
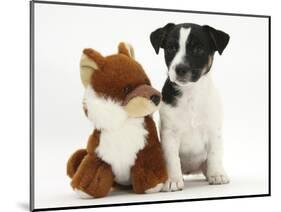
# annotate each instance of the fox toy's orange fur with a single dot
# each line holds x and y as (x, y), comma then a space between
(118, 83)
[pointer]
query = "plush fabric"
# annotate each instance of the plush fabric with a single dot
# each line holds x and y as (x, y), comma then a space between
(149, 169)
(124, 147)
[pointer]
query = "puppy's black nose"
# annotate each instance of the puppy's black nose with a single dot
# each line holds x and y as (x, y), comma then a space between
(181, 70)
(155, 99)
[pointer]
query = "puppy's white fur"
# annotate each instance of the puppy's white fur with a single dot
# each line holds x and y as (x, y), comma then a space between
(191, 131)
(183, 38)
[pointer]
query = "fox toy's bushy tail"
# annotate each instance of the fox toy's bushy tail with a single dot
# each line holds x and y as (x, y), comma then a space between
(74, 161)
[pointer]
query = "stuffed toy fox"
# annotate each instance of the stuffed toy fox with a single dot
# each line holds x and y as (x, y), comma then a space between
(124, 148)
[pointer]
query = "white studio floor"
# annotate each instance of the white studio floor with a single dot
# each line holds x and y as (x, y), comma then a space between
(195, 187)
(248, 176)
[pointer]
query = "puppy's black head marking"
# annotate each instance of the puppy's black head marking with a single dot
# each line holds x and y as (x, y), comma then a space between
(166, 37)
(170, 93)
(189, 50)
(219, 38)
(157, 38)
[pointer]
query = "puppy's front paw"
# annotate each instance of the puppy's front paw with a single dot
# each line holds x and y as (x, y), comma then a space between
(217, 178)
(173, 184)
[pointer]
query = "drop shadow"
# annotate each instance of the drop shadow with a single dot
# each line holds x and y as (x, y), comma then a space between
(23, 205)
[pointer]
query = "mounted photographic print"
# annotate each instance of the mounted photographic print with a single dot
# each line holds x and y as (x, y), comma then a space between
(145, 105)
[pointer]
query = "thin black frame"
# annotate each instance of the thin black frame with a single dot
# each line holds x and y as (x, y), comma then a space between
(32, 91)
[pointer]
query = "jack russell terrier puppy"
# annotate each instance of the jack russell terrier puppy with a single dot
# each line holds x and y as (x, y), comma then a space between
(191, 113)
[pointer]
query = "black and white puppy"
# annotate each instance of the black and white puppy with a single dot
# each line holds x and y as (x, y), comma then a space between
(191, 113)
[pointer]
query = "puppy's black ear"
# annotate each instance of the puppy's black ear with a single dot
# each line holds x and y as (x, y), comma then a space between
(158, 36)
(220, 39)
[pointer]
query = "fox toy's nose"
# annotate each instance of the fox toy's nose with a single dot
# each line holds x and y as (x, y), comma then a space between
(155, 99)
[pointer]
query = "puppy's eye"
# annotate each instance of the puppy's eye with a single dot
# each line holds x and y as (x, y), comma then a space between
(127, 89)
(198, 51)
(172, 49)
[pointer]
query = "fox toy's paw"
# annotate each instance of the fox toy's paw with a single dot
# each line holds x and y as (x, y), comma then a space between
(173, 184)
(93, 178)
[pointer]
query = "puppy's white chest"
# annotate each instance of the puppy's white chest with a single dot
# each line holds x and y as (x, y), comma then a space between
(119, 148)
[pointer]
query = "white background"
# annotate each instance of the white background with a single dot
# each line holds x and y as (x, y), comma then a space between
(241, 74)
(15, 115)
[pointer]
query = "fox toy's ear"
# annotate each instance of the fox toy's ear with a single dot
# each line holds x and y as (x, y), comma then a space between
(126, 49)
(90, 61)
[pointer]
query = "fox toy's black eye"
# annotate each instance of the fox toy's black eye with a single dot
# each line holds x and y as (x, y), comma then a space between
(127, 89)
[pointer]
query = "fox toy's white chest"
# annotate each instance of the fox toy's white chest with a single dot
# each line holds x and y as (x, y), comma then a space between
(119, 147)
